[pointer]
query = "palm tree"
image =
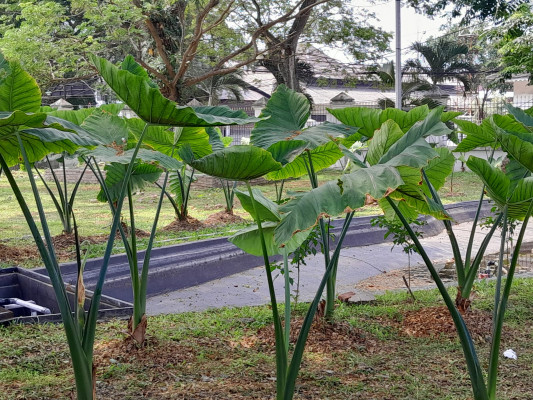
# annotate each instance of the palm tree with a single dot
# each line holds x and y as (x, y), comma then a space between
(444, 59)
(387, 77)
(209, 90)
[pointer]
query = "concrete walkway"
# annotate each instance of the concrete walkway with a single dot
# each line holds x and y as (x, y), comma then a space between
(355, 265)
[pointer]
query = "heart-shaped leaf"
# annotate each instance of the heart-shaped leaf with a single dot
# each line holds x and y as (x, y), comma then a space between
(249, 240)
(142, 175)
(267, 210)
(350, 192)
(19, 91)
(516, 196)
(239, 163)
(152, 107)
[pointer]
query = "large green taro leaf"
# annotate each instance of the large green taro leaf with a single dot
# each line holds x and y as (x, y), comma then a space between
(288, 111)
(517, 196)
(476, 135)
(520, 115)
(414, 195)
(285, 136)
(519, 147)
(169, 141)
(152, 107)
(106, 127)
(485, 135)
(142, 175)
(350, 192)
(129, 64)
(369, 120)
(238, 163)
(267, 210)
(388, 134)
(19, 91)
(366, 119)
(323, 156)
(431, 125)
(249, 240)
(40, 135)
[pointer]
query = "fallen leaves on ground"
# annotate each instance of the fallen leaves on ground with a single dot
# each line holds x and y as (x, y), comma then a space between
(437, 321)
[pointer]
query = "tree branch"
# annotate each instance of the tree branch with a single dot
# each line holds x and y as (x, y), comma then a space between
(153, 71)
(222, 71)
(263, 29)
(300, 20)
(268, 35)
(220, 19)
(190, 52)
(157, 39)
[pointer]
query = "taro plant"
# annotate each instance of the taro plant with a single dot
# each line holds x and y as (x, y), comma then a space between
(63, 199)
(512, 191)
(408, 151)
(191, 127)
(119, 141)
(466, 266)
(306, 151)
(202, 140)
(413, 198)
(311, 149)
(27, 135)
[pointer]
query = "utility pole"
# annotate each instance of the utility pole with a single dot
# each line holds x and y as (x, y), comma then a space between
(398, 70)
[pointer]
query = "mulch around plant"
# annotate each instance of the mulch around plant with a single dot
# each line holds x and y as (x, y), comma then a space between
(156, 356)
(223, 218)
(437, 322)
(64, 245)
(323, 337)
(17, 254)
(190, 224)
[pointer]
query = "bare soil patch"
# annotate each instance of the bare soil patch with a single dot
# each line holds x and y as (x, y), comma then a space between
(392, 280)
(65, 243)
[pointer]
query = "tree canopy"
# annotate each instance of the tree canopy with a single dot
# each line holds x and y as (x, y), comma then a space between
(469, 9)
(514, 41)
(180, 42)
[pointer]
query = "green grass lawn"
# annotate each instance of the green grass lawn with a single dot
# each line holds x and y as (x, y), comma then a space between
(229, 354)
(94, 217)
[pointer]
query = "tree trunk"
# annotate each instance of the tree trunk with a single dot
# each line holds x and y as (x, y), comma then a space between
(290, 62)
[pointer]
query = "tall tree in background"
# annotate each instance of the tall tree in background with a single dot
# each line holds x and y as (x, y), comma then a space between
(169, 37)
(331, 22)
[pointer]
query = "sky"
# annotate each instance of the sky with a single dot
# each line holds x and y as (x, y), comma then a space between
(415, 27)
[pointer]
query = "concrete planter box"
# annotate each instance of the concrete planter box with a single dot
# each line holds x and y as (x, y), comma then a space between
(30, 285)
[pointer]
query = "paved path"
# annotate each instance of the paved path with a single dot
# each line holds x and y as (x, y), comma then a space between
(355, 265)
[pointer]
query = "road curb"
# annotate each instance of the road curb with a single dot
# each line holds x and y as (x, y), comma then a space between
(184, 265)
